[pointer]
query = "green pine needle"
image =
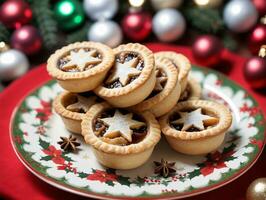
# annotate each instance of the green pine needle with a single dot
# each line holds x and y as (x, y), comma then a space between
(46, 23)
(4, 33)
(205, 20)
(79, 35)
(229, 42)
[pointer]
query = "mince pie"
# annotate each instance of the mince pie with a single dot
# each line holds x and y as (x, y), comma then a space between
(72, 107)
(132, 77)
(181, 62)
(81, 66)
(192, 90)
(166, 91)
(120, 139)
(196, 127)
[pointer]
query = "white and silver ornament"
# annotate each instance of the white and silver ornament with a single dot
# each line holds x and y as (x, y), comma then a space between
(161, 4)
(168, 25)
(13, 64)
(107, 32)
(100, 9)
(240, 15)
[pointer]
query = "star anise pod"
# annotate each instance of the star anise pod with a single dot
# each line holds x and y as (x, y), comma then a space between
(164, 168)
(69, 144)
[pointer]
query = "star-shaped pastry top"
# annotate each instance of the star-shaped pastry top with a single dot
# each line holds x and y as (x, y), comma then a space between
(83, 104)
(195, 119)
(159, 80)
(123, 71)
(80, 60)
(120, 125)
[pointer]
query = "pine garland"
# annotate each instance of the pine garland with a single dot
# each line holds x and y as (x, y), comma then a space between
(79, 35)
(205, 20)
(46, 23)
(229, 42)
(4, 33)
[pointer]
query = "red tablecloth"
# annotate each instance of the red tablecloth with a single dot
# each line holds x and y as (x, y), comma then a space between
(16, 182)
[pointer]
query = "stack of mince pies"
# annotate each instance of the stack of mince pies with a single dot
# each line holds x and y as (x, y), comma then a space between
(121, 99)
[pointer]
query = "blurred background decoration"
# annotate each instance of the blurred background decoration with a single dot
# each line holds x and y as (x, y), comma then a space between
(30, 30)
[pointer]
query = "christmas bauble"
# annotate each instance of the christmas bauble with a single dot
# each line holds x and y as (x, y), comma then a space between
(208, 3)
(207, 50)
(100, 9)
(257, 38)
(262, 51)
(27, 39)
(4, 47)
(13, 64)
(260, 6)
(255, 72)
(136, 3)
(137, 25)
(257, 190)
(161, 4)
(240, 15)
(107, 32)
(15, 13)
(168, 24)
(69, 14)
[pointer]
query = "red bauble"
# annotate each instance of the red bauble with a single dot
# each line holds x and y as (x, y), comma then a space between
(15, 13)
(137, 25)
(255, 72)
(260, 6)
(257, 38)
(207, 50)
(27, 39)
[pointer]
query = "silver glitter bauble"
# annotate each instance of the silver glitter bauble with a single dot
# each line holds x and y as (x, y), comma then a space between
(100, 9)
(168, 24)
(161, 4)
(13, 64)
(240, 15)
(107, 32)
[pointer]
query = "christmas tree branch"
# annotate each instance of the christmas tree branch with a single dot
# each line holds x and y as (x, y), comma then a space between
(78, 35)
(4, 33)
(229, 42)
(46, 23)
(205, 20)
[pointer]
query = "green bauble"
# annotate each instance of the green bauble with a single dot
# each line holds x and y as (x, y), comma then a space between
(69, 14)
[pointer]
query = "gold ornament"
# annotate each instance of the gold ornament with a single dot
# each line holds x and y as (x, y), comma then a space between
(208, 3)
(3, 47)
(257, 190)
(262, 52)
(263, 20)
(161, 4)
(136, 3)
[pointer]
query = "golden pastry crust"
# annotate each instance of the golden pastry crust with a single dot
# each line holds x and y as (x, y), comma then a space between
(60, 108)
(198, 142)
(143, 84)
(94, 75)
(194, 90)
(218, 110)
(106, 64)
(72, 120)
(181, 62)
(150, 140)
(166, 99)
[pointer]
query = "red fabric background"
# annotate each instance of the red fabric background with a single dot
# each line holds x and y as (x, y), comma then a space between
(16, 182)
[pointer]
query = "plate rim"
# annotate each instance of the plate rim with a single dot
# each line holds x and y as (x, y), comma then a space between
(87, 193)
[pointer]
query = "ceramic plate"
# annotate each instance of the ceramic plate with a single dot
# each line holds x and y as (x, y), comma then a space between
(35, 131)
